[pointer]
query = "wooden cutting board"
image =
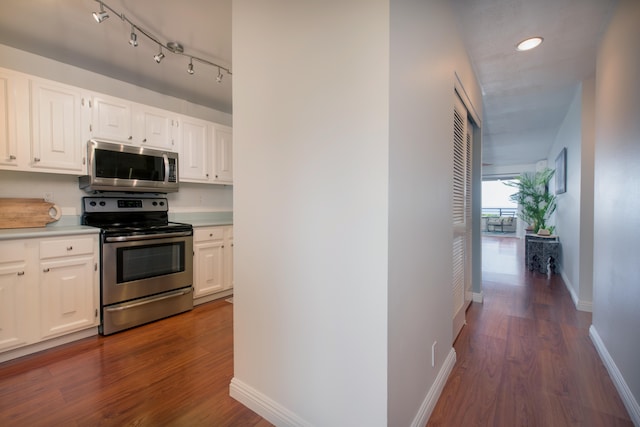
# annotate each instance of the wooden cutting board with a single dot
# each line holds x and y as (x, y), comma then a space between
(25, 213)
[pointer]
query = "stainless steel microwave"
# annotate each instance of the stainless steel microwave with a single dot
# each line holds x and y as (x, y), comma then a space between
(121, 167)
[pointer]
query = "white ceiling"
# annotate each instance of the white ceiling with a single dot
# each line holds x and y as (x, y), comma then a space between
(526, 94)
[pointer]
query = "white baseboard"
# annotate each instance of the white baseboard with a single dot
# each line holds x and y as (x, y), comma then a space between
(45, 345)
(616, 376)
(429, 403)
(209, 298)
(579, 304)
(264, 406)
(478, 297)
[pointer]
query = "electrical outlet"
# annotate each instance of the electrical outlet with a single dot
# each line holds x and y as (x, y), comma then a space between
(433, 354)
(48, 197)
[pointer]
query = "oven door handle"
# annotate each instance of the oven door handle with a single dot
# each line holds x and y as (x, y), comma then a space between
(149, 300)
(147, 236)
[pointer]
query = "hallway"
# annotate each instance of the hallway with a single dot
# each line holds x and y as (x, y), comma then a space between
(525, 357)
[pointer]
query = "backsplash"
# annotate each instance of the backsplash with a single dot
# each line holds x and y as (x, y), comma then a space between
(68, 196)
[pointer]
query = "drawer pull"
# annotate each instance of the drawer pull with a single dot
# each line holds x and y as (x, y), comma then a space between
(69, 248)
(45, 270)
(12, 157)
(20, 273)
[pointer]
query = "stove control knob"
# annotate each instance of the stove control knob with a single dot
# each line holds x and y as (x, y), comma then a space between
(92, 203)
(155, 203)
(103, 204)
(161, 203)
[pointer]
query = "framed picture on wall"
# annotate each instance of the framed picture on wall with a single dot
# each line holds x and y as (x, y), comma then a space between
(561, 171)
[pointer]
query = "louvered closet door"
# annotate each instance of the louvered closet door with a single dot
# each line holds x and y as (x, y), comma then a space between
(461, 215)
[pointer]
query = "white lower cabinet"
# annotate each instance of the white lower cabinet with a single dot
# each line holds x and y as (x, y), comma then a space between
(14, 295)
(48, 288)
(213, 260)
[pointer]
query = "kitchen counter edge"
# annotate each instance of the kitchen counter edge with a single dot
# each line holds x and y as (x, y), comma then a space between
(31, 233)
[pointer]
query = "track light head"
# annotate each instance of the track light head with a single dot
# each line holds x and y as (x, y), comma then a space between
(100, 16)
(133, 39)
(173, 47)
(158, 57)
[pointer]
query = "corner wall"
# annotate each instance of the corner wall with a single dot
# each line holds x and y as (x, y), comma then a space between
(311, 172)
(426, 54)
(343, 117)
(574, 214)
(616, 289)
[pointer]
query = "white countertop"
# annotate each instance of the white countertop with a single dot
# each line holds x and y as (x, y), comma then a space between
(70, 225)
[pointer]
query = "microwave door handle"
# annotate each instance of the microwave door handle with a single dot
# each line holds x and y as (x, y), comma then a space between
(166, 168)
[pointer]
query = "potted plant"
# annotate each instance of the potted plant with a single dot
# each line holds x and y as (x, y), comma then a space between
(536, 202)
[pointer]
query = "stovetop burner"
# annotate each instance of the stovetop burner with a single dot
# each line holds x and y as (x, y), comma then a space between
(120, 216)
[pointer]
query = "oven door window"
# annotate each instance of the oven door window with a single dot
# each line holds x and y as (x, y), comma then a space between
(143, 262)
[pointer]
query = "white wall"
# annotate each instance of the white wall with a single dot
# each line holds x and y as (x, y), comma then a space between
(311, 96)
(616, 290)
(426, 52)
(67, 195)
(342, 130)
(574, 215)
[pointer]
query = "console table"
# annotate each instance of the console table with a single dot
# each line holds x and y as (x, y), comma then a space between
(540, 251)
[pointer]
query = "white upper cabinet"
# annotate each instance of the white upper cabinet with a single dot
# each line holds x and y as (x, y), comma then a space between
(127, 122)
(223, 136)
(195, 149)
(206, 153)
(56, 126)
(14, 119)
(154, 128)
(45, 126)
(111, 119)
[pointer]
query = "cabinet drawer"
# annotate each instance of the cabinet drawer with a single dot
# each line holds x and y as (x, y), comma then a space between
(12, 252)
(205, 234)
(66, 247)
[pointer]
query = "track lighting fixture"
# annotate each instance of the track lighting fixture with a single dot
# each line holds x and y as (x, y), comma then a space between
(133, 39)
(102, 15)
(158, 57)
(171, 46)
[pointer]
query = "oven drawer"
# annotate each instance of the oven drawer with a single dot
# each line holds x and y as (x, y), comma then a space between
(66, 247)
(118, 317)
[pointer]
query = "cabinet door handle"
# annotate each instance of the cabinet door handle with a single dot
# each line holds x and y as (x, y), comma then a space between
(12, 157)
(144, 140)
(36, 159)
(130, 138)
(45, 270)
(69, 248)
(20, 273)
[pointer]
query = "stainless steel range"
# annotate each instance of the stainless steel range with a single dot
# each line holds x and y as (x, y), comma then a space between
(147, 261)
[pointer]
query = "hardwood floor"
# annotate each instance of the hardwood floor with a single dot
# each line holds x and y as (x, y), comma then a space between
(525, 357)
(174, 372)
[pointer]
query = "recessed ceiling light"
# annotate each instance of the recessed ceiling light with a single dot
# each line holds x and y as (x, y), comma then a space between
(529, 43)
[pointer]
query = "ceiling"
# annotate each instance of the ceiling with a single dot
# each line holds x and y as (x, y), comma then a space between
(526, 94)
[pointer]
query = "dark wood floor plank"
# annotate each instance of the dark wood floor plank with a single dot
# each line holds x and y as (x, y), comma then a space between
(550, 373)
(523, 359)
(174, 372)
